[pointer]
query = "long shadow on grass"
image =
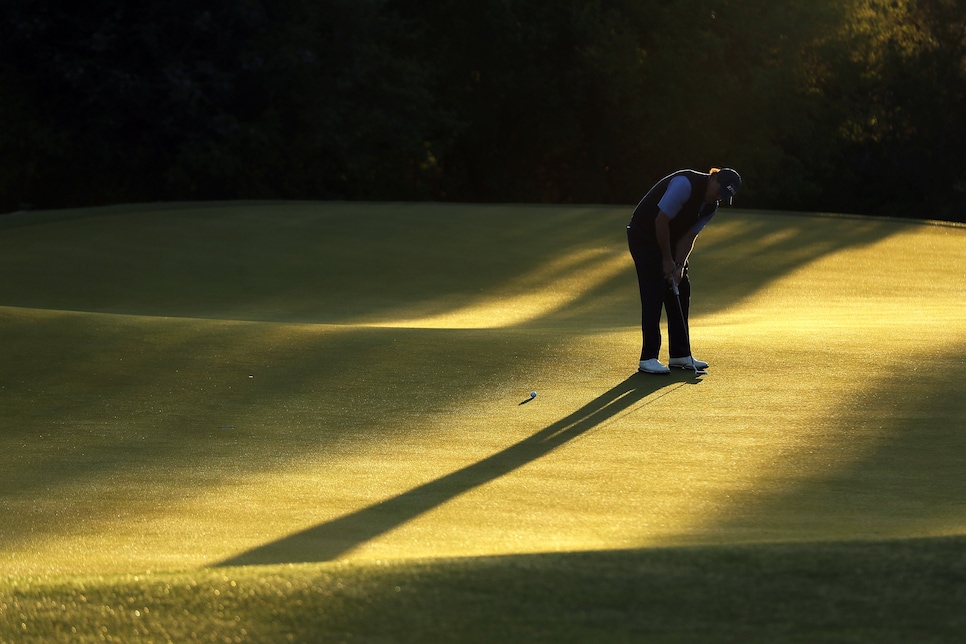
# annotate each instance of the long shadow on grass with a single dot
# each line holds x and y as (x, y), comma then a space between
(330, 540)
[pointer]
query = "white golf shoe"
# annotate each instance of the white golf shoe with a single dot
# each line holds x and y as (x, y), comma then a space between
(652, 366)
(685, 363)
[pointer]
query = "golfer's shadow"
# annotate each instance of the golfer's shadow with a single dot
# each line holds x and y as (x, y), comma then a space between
(330, 540)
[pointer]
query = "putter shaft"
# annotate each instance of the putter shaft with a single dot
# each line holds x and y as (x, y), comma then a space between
(687, 332)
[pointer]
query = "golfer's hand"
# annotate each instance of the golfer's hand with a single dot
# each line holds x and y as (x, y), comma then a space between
(672, 272)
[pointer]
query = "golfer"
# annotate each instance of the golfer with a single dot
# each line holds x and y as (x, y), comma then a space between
(661, 236)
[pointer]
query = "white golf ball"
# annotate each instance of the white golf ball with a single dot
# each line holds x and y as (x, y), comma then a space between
(533, 394)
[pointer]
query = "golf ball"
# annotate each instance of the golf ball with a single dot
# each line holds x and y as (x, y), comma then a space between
(533, 394)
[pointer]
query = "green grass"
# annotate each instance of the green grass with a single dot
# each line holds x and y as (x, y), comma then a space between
(260, 422)
(858, 592)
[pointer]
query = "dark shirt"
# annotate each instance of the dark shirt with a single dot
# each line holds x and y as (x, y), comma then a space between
(694, 213)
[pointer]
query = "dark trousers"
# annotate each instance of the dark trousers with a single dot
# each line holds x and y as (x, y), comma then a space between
(656, 294)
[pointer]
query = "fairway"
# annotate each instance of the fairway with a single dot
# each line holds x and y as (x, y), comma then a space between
(193, 391)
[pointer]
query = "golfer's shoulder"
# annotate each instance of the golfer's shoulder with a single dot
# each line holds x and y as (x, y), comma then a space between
(680, 183)
(678, 189)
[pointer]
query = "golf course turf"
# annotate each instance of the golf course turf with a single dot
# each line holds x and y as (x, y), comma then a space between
(311, 422)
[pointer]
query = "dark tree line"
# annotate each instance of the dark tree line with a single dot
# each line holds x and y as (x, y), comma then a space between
(850, 105)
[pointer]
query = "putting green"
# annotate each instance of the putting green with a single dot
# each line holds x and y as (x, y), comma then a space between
(190, 386)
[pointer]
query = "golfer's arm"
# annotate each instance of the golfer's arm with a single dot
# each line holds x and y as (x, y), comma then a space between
(685, 246)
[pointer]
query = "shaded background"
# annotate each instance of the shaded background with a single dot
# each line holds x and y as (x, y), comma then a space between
(851, 106)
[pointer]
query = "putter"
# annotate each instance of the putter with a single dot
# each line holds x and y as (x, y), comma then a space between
(687, 333)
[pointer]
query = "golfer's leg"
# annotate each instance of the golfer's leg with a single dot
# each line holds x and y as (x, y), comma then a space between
(652, 300)
(647, 262)
(676, 326)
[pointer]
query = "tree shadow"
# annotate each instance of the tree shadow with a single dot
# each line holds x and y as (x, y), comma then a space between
(311, 263)
(330, 540)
